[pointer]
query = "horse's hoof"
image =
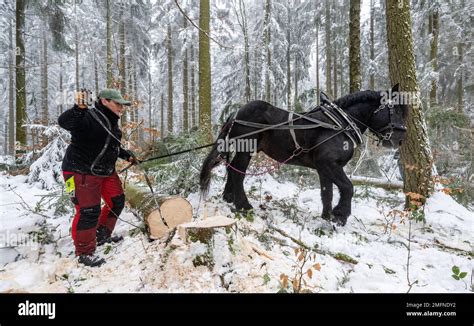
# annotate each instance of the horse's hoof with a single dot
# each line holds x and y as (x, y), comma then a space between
(243, 208)
(327, 216)
(339, 220)
(228, 197)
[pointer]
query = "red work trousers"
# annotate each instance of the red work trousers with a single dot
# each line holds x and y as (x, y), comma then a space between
(86, 191)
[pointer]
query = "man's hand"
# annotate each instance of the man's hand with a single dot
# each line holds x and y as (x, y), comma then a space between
(82, 99)
(133, 160)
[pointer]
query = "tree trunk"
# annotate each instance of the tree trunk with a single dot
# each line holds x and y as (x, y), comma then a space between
(122, 64)
(20, 74)
(372, 46)
(341, 73)
(44, 86)
(60, 108)
(334, 67)
(109, 61)
(242, 20)
(162, 118)
(185, 84)
(160, 213)
(170, 82)
(121, 68)
(11, 94)
(295, 99)
(150, 120)
(317, 65)
(193, 88)
(459, 83)
(354, 47)
(96, 77)
(415, 151)
(246, 56)
(434, 19)
(256, 71)
(130, 111)
(205, 110)
(288, 61)
(267, 40)
(328, 49)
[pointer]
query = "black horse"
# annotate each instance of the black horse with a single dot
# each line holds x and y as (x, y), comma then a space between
(325, 149)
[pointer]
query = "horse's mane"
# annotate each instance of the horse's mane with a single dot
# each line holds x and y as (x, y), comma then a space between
(348, 100)
(363, 96)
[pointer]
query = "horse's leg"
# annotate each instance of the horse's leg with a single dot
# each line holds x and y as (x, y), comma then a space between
(228, 193)
(337, 175)
(346, 189)
(240, 162)
(326, 196)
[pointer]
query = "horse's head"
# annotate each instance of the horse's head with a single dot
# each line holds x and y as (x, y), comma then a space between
(388, 120)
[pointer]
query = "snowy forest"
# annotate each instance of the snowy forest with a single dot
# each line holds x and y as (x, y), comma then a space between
(186, 66)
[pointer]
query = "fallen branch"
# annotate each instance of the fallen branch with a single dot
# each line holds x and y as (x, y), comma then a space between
(441, 245)
(25, 205)
(298, 242)
(259, 251)
(385, 184)
(339, 255)
(471, 130)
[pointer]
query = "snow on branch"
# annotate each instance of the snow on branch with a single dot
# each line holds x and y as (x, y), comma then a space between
(46, 170)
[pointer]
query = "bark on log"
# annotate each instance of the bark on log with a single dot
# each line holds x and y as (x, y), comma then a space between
(156, 209)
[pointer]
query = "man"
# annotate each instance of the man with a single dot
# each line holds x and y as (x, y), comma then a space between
(89, 172)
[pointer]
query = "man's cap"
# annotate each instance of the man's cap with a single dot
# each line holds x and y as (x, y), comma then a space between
(114, 95)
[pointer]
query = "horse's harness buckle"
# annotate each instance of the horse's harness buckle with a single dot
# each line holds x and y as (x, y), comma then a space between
(298, 151)
(388, 135)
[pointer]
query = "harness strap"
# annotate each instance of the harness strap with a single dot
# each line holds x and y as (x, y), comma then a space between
(337, 115)
(350, 123)
(292, 131)
(331, 116)
(284, 126)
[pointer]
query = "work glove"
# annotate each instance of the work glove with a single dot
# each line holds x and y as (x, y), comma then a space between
(132, 159)
(82, 99)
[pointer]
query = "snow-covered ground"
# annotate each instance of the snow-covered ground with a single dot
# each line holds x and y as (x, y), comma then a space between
(369, 254)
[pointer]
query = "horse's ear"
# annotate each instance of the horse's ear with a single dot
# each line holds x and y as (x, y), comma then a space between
(323, 98)
(396, 87)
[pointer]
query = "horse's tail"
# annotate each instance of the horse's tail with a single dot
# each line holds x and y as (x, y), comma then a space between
(214, 157)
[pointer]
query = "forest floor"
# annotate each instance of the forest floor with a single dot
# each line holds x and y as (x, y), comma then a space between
(369, 254)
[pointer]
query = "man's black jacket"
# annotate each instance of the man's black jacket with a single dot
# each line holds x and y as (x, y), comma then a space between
(88, 138)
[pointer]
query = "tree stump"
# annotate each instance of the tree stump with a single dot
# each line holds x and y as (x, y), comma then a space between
(203, 230)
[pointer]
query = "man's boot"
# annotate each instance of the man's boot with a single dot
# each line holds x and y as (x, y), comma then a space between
(104, 236)
(91, 260)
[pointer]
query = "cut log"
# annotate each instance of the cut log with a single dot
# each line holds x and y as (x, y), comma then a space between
(203, 230)
(158, 210)
(385, 184)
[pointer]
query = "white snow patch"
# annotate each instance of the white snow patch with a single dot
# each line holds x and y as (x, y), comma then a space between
(253, 258)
